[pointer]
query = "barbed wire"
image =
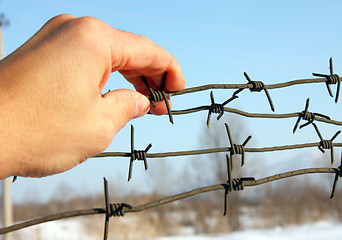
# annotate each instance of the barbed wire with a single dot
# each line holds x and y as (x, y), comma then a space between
(234, 149)
(304, 115)
(253, 86)
(119, 209)
(327, 79)
(232, 184)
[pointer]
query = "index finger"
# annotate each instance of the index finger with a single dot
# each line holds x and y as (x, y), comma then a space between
(139, 56)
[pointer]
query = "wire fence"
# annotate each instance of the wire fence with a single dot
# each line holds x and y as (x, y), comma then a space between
(232, 184)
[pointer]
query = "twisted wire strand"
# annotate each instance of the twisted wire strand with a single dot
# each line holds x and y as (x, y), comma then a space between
(307, 116)
(137, 155)
(327, 79)
(216, 150)
(158, 95)
(255, 115)
(258, 86)
(245, 86)
(252, 85)
(326, 144)
(235, 184)
(217, 107)
(247, 182)
(331, 79)
(112, 209)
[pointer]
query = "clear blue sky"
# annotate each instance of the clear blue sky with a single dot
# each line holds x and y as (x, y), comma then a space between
(273, 41)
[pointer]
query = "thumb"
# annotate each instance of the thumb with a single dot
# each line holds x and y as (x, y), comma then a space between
(123, 105)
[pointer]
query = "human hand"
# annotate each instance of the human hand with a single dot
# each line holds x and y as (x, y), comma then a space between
(53, 115)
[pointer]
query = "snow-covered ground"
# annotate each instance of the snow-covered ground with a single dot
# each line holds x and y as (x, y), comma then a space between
(315, 231)
(74, 229)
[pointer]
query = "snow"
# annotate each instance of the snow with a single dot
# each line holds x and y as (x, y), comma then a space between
(314, 231)
(57, 230)
(74, 229)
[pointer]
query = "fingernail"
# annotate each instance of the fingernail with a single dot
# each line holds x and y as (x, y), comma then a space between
(142, 106)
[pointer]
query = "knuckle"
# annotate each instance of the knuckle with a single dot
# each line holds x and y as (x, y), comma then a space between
(62, 18)
(88, 24)
(59, 20)
(84, 29)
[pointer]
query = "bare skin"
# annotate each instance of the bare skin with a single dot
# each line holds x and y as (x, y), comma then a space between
(52, 113)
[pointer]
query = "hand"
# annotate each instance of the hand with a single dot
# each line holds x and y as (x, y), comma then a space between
(52, 113)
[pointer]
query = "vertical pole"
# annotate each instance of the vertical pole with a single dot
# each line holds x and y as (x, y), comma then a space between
(7, 208)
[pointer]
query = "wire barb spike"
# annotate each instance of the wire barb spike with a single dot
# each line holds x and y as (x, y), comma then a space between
(331, 79)
(237, 149)
(107, 216)
(137, 155)
(326, 144)
(159, 95)
(228, 188)
(14, 179)
(232, 184)
(218, 108)
(337, 175)
(259, 86)
(308, 116)
(112, 209)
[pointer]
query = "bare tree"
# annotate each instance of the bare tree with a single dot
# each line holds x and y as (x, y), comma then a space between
(212, 168)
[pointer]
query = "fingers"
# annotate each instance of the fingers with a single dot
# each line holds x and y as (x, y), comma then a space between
(123, 105)
(139, 56)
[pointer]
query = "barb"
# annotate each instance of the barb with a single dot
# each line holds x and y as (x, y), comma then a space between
(326, 144)
(236, 184)
(308, 116)
(14, 179)
(331, 79)
(156, 96)
(337, 175)
(137, 155)
(237, 149)
(247, 182)
(219, 108)
(112, 209)
(259, 86)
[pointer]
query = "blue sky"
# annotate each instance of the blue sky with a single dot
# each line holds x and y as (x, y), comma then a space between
(273, 41)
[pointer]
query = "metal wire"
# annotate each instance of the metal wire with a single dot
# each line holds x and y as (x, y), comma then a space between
(305, 115)
(126, 208)
(232, 184)
(255, 115)
(215, 150)
(327, 79)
